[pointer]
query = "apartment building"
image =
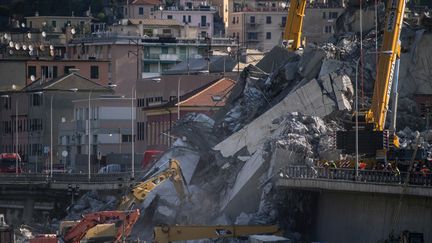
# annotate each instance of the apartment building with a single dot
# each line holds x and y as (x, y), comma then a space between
(140, 9)
(110, 131)
(58, 24)
(95, 70)
(26, 116)
(260, 24)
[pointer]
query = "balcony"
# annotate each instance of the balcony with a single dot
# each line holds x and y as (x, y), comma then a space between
(204, 25)
(168, 57)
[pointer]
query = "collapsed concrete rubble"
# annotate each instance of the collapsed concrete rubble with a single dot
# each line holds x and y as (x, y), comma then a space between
(285, 110)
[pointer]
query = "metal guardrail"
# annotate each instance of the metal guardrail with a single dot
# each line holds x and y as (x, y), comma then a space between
(33, 178)
(366, 176)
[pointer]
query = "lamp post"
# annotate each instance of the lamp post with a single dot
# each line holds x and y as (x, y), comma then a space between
(51, 136)
(89, 136)
(133, 96)
(178, 97)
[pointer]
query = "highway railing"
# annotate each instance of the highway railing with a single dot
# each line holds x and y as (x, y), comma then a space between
(368, 176)
(37, 178)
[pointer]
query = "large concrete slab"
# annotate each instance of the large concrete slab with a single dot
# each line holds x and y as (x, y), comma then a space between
(308, 99)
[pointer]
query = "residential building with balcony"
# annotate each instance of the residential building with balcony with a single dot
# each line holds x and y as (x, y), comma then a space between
(150, 28)
(110, 132)
(140, 9)
(260, 24)
(28, 113)
(198, 19)
(58, 24)
(156, 54)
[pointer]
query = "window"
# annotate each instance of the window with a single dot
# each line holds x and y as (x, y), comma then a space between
(324, 15)
(283, 23)
(333, 15)
(233, 21)
(166, 31)
(146, 68)
(169, 17)
(328, 29)
(67, 68)
(172, 97)
(252, 19)
(184, 19)
(44, 71)
(268, 20)
(31, 70)
(94, 72)
(31, 24)
(203, 20)
(141, 11)
(189, 19)
(54, 72)
(252, 36)
(127, 138)
(54, 23)
(36, 99)
(164, 50)
(141, 129)
(125, 11)
(268, 35)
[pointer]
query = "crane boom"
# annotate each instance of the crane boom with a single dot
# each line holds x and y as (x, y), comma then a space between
(294, 24)
(373, 139)
(390, 51)
(165, 234)
(140, 191)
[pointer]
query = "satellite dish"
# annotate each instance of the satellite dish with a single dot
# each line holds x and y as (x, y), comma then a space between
(11, 44)
(43, 34)
(24, 47)
(52, 53)
(23, 25)
(73, 31)
(64, 153)
(32, 78)
(30, 47)
(6, 36)
(11, 52)
(51, 47)
(42, 47)
(229, 48)
(29, 35)
(17, 46)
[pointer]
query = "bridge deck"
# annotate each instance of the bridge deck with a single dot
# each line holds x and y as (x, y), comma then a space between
(381, 182)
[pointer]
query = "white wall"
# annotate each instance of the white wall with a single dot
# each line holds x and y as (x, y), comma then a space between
(107, 139)
(120, 113)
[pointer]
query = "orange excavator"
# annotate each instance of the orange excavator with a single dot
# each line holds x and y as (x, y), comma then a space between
(81, 229)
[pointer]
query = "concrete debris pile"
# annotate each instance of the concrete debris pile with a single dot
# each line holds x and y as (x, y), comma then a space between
(91, 202)
(312, 83)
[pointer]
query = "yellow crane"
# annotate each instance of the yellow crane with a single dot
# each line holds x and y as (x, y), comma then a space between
(142, 189)
(294, 23)
(165, 234)
(373, 139)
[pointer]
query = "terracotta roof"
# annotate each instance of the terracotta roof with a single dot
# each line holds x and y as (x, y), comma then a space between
(145, 2)
(162, 22)
(214, 95)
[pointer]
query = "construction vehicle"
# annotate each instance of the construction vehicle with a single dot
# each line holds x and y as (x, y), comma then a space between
(95, 226)
(293, 26)
(142, 189)
(165, 234)
(374, 141)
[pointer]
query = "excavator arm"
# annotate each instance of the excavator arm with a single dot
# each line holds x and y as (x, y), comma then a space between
(128, 219)
(294, 24)
(140, 191)
(165, 234)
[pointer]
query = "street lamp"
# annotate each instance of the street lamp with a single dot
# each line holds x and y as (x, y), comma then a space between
(133, 97)
(161, 10)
